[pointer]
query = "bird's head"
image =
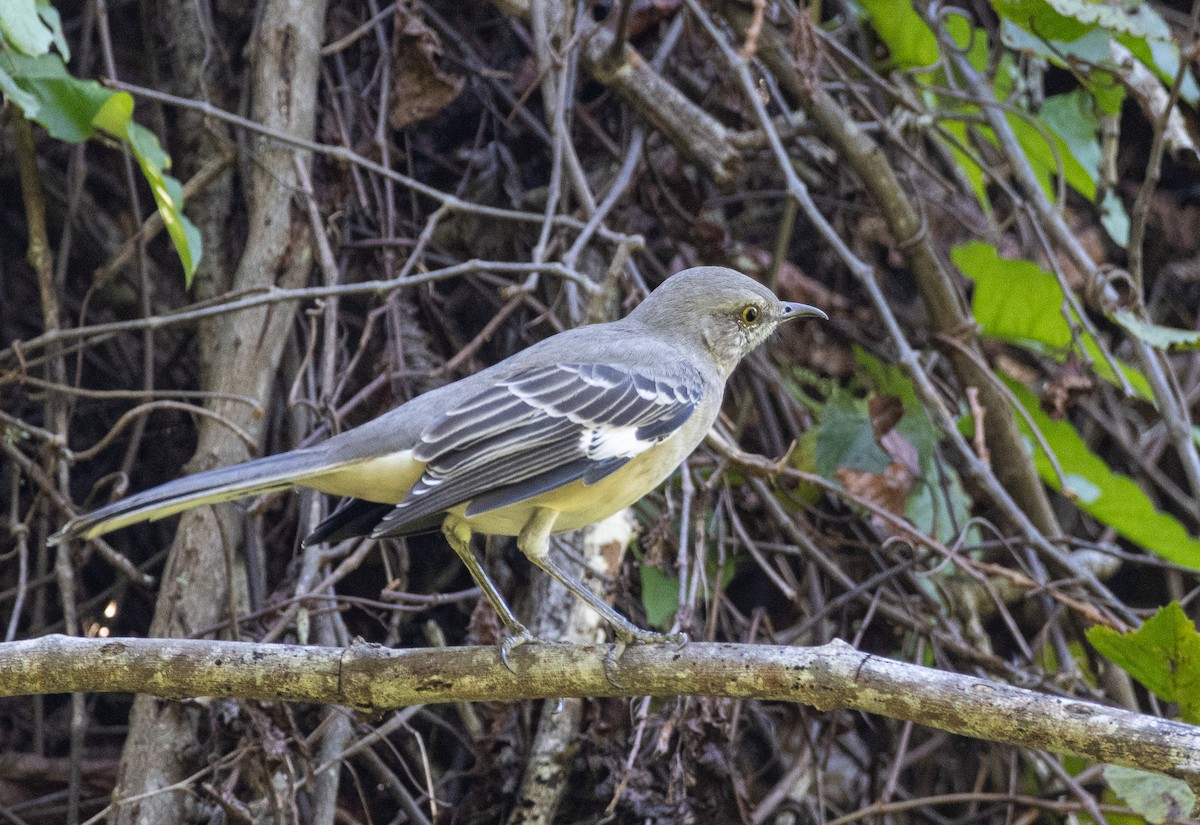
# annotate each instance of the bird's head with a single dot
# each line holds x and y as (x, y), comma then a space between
(720, 310)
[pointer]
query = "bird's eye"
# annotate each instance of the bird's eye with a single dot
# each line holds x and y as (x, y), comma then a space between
(750, 314)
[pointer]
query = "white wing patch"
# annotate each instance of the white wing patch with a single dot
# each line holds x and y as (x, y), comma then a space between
(602, 441)
(541, 429)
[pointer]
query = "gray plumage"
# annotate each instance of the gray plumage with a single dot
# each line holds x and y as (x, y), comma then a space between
(559, 435)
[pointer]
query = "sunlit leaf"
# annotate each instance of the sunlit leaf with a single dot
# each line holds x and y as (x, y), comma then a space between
(115, 115)
(1109, 497)
(74, 110)
(1014, 300)
(1019, 302)
(910, 42)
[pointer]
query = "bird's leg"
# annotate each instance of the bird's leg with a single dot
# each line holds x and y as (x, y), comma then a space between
(534, 542)
(458, 535)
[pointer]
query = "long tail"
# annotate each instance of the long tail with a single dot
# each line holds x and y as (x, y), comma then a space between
(263, 475)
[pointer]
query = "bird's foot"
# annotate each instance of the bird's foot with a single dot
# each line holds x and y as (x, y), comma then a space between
(516, 637)
(634, 635)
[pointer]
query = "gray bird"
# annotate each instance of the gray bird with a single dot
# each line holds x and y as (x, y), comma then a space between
(556, 437)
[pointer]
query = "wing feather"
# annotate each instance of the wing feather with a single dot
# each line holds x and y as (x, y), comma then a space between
(541, 429)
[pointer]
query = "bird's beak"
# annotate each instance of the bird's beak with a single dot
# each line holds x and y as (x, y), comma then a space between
(791, 311)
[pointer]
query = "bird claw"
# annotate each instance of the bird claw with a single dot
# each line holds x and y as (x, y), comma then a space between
(514, 639)
(611, 659)
(637, 636)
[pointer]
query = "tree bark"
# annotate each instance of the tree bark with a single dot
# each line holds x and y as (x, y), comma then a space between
(239, 356)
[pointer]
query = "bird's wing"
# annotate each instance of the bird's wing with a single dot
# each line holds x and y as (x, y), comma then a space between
(540, 429)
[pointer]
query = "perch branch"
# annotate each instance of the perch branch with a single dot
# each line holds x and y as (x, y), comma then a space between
(372, 679)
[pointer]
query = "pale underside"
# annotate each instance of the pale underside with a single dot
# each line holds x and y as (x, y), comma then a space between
(388, 479)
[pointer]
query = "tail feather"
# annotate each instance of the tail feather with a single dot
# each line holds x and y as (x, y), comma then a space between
(250, 478)
(356, 517)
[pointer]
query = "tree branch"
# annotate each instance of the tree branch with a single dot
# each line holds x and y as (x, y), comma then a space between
(372, 679)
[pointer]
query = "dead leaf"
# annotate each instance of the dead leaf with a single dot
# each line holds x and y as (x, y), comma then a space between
(885, 411)
(420, 88)
(646, 14)
(1065, 386)
(887, 490)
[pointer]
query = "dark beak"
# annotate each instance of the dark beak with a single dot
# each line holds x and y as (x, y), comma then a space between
(791, 311)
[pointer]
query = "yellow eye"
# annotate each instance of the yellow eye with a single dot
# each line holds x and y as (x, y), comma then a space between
(750, 314)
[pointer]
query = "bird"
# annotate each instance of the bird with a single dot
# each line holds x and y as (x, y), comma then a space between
(560, 435)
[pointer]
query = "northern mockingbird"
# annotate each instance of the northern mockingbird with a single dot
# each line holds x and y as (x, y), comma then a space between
(556, 437)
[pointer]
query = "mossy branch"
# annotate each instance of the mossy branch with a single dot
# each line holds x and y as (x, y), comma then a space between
(372, 679)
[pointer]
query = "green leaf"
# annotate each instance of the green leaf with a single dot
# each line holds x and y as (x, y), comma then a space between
(9, 87)
(53, 21)
(845, 438)
(973, 39)
(23, 28)
(1134, 19)
(1163, 654)
(910, 42)
(660, 595)
(660, 592)
(1074, 34)
(1021, 303)
(889, 379)
(1155, 797)
(66, 105)
(1092, 47)
(1155, 335)
(1016, 301)
(1049, 158)
(970, 169)
(938, 505)
(114, 115)
(1042, 19)
(1162, 56)
(1083, 57)
(1069, 20)
(1109, 497)
(1072, 117)
(168, 195)
(1115, 219)
(75, 110)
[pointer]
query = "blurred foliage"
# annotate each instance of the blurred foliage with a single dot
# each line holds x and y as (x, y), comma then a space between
(450, 97)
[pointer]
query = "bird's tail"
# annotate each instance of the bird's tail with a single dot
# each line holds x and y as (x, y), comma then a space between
(263, 475)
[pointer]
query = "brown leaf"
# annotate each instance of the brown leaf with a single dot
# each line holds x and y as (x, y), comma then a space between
(887, 490)
(886, 411)
(645, 14)
(1065, 386)
(420, 88)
